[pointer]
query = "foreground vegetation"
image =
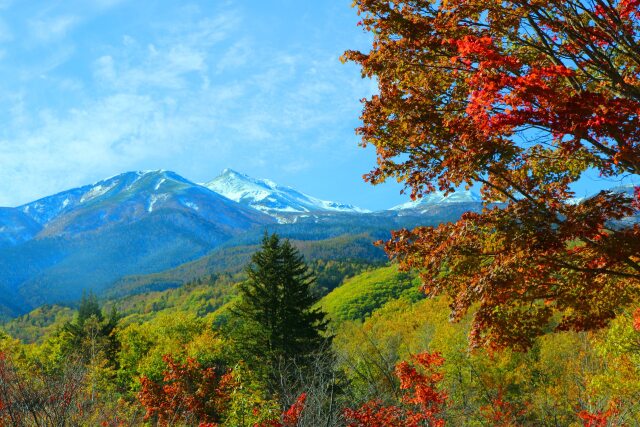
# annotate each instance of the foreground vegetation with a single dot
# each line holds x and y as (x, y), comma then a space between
(168, 359)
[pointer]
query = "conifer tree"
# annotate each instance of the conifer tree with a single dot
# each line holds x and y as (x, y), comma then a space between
(277, 320)
(90, 330)
(88, 307)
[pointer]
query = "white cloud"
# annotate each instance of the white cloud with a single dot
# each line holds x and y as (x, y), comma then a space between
(236, 56)
(114, 131)
(48, 29)
(169, 62)
(297, 166)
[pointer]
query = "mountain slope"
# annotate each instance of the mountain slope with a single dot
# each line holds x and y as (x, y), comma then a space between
(133, 223)
(234, 256)
(58, 269)
(268, 197)
(16, 227)
(361, 295)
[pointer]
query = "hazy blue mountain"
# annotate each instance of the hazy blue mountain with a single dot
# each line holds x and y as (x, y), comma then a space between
(16, 227)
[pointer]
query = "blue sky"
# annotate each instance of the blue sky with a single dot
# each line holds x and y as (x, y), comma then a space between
(90, 89)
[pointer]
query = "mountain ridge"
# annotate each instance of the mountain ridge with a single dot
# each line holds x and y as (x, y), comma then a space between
(271, 198)
(440, 197)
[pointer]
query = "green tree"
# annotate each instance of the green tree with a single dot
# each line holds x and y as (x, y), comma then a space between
(276, 319)
(91, 332)
(89, 306)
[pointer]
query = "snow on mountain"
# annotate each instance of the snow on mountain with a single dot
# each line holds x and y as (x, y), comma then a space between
(628, 189)
(131, 196)
(439, 198)
(268, 197)
(46, 209)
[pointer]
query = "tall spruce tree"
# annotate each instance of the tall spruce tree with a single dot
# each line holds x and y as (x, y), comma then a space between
(276, 318)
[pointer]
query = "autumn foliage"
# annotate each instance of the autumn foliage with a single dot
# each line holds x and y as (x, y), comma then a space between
(290, 417)
(636, 320)
(422, 401)
(500, 412)
(598, 418)
(523, 98)
(188, 392)
(40, 398)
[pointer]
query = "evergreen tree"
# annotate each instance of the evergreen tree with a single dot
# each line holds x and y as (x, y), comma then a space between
(91, 332)
(277, 322)
(88, 307)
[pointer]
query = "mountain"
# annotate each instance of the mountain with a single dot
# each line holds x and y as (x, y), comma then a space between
(439, 198)
(156, 229)
(129, 197)
(16, 227)
(273, 199)
(92, 236)
(436, 207)
(627, 189)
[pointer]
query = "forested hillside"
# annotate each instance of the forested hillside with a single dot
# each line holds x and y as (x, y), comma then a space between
(378, 319)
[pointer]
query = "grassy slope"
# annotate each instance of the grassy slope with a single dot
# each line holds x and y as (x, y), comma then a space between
(359, 296)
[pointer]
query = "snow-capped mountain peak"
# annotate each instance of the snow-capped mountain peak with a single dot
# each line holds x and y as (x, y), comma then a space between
(48, 208)
(268, 197)
(128, 197)
(439, 198)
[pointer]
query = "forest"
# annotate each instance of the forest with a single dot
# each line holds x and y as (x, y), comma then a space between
(523, 313)
(388, 357)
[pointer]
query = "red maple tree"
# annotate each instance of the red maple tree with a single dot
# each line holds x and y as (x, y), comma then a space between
(290, 417)
(523, 98)
(599, 418)
(187, 392)
(422, 400)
